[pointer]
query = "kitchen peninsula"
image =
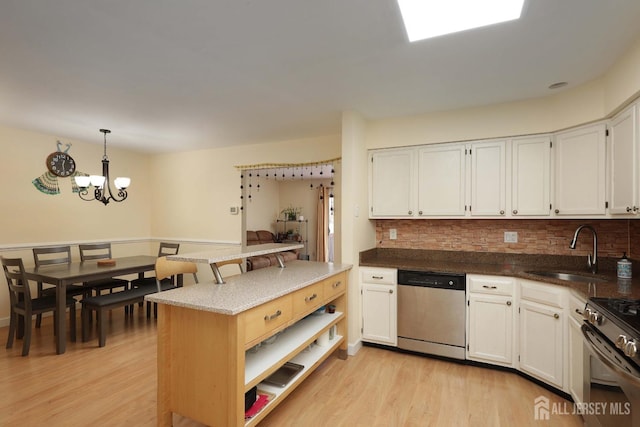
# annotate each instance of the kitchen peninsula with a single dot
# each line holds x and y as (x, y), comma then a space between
(210, 336)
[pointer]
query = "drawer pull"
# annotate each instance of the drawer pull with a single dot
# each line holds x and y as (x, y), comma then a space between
(489, 287)
(336, 284)
(509, 303)
(273, 316)
(390, 291)
(377, 277)
(579, 312)
(556, 316)
(311, 298)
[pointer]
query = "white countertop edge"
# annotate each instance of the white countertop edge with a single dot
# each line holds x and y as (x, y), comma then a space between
(248, 290)
(227, 254)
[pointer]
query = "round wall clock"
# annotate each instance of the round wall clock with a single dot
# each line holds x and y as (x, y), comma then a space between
(61, 164)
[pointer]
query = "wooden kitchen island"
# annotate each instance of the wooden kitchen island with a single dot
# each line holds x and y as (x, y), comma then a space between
(208, 333)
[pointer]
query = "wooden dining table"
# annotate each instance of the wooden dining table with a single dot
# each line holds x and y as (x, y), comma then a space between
(61, 275)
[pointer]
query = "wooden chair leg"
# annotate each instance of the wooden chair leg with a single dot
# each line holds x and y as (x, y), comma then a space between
(85, 313)
(26, 343)
(72, 322)
(102, 327)
(13, 318)
(39, 316)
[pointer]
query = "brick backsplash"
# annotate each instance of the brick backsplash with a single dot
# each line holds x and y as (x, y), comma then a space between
(551, 237)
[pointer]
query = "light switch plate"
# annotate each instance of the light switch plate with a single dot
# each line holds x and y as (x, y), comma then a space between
(233, 210)
(393, 234)
(511, 237)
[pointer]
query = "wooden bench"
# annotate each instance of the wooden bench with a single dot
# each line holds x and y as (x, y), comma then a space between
(106, 302)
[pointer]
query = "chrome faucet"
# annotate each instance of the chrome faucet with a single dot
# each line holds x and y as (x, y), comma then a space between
(592, 262)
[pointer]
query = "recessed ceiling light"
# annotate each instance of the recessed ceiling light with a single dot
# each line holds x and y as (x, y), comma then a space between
(430, 18)
(558, 85)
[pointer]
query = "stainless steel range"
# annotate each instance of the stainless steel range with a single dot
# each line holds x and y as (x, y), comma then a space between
(612, 335)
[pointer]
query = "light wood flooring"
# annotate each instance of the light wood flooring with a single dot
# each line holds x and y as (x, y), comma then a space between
(116, 386)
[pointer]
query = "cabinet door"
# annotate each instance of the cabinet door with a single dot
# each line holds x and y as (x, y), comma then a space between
(379, 313)
(392, 183)
(541, 350)
(488, 178)
(490, 325)
(441, 184)
(624, 162)
(580, 171)
(531, 171)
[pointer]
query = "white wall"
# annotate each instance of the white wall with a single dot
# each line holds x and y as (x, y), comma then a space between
(264, 206)
(358, 232)
(194, 202)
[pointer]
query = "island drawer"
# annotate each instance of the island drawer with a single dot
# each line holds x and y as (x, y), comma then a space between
(307, 298)
(334, 286)
(261, 320)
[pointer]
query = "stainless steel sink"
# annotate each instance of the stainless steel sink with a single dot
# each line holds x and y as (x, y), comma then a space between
(567, 276)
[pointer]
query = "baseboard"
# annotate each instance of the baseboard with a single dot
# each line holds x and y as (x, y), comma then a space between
(352, 349)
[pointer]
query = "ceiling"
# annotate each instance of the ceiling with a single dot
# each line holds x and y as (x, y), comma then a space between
(168, 75)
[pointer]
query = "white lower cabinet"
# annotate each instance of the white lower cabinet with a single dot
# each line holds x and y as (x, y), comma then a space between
(379, 287)
(526, 325)
(490, 319)
(542, 329)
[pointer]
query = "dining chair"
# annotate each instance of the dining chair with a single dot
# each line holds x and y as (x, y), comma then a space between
(23, 305)
(164, 249)
(238, 261)
(54, 256)
(97, 251)
(166, 277)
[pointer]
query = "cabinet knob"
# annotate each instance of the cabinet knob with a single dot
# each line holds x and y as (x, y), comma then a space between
(515, 211)
(509, 303)
(502, 212)
(556, 316)
(557, 211)
(419, 212)
(311, 298)
(390, 291)
(410, 212)
(628, 209)
(336, 284)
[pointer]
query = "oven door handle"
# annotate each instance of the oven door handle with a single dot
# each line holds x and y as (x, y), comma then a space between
(595, 350)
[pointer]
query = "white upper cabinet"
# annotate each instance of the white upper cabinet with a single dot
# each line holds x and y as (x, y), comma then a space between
(392, 183)
(488, 178)
(623, 152)
(562, 175)
(442, 180)
(580, 171)
(531, 176)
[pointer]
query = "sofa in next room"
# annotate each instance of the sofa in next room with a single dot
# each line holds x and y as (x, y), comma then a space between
(260, 237)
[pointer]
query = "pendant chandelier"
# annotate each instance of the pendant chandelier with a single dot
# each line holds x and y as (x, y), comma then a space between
(102, 188)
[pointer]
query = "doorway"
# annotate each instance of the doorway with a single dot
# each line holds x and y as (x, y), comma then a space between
(271, 192)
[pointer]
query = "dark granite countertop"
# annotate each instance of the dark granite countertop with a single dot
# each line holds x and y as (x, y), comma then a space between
(606, 284)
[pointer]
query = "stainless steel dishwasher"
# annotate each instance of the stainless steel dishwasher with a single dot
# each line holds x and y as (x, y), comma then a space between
(431, 313)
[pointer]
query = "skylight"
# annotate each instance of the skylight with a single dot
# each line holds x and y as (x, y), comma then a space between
(430, 18)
